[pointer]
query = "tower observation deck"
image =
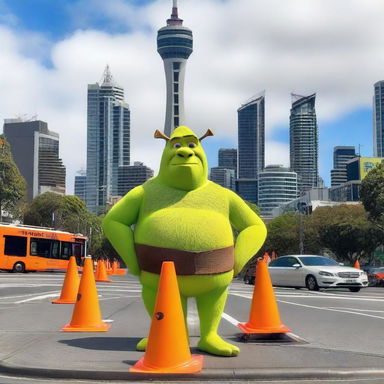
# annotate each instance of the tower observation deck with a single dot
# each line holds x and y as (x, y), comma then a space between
(174, 44)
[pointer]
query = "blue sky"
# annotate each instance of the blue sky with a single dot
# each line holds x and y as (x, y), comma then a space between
(61, 46)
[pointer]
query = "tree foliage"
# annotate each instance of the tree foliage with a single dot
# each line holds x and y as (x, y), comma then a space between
(372, 194)
(13, 187)
(66, 213)
(344, 230)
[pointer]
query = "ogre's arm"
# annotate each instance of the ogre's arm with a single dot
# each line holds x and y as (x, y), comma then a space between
(252, 231)
(117, 227)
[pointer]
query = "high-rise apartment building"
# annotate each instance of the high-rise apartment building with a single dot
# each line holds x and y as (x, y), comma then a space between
(341, 155)
(304, 143)
(228, 158)
(81, 185)
(378, 120)
(174, 44)
(131, 176)
(108, 141)
(35, 150)
(251, 142)
(277, 185)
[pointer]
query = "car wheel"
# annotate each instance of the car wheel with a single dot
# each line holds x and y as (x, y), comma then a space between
(19, 267)
(252, 281)
(311, 283)
(354, 289)
(246, 281)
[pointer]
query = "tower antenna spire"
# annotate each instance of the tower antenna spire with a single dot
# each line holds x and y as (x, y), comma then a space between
(174, 20)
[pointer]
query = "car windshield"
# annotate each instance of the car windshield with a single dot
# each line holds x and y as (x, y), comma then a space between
(317, 260)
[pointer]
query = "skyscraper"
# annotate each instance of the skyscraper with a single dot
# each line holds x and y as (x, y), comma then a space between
(378, 120)
(341, 155)
(81, 185)
(130, 176)
(174, 44)
(223, 176)
(277, 185)
(304, 143)
(251, 141)
(35, 150)
(228, 158)
(108, 141)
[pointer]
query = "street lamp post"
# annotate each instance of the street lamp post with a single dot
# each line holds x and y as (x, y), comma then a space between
(302, 207)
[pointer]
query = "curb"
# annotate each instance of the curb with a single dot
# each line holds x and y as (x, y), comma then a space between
(205, 375)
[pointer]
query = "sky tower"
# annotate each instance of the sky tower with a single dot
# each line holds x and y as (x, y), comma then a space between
(174, 44)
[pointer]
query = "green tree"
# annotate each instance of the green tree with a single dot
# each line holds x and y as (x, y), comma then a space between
(12, 184)
(372, 195)
(66, 213)
(346, 231)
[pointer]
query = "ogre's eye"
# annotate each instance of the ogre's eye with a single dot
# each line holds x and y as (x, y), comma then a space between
(192, 145)
(177, 145)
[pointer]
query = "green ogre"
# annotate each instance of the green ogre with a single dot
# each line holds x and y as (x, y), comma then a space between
(181, 215)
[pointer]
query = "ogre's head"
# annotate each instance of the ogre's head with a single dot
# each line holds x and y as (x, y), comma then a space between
(183, 164)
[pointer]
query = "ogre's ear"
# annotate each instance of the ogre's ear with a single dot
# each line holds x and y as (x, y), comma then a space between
(206, 134)
(160, 135)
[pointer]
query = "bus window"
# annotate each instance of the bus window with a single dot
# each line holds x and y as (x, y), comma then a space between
(55, 251)
(65, 250)
(15, 246)
(40, 247)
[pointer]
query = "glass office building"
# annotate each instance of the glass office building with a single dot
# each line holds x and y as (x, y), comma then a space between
(35, 150)
(174, 44)
(228, 158)
(108, 141)
(80, 185)
(304, 142)
(251, 142)
(341, 155)
(277, 185)
(131, 176)
(378, 120)
(223, 176)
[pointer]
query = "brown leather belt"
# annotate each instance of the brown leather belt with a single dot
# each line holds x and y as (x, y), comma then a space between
(216, 261)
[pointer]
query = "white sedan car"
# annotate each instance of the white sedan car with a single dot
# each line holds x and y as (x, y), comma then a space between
(315, 272)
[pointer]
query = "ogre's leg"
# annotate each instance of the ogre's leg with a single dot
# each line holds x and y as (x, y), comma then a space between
(149, 298)
(210, 306)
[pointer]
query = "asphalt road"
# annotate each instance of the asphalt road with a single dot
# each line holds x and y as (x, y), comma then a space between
(333, 320)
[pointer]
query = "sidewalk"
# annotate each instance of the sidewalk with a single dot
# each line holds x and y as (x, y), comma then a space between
(41, 350)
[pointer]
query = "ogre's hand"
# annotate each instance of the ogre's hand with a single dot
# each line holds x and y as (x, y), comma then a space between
(117, 227)
(252, 231)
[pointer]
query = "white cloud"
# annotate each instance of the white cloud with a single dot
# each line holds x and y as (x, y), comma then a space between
(241, 47)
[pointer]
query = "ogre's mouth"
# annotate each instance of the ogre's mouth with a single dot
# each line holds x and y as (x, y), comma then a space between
(185, 164)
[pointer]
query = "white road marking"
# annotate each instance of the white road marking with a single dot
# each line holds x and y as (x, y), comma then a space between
(331, 309)
(230, 319)
(38, 298)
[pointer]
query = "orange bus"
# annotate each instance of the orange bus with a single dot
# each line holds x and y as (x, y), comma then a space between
(27, 248)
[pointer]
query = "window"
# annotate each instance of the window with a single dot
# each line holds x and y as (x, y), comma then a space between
(66, 250)
(284, 262)
(176, 65)
(175, 76)
(40, 247)
(15, 246)
(176, 87)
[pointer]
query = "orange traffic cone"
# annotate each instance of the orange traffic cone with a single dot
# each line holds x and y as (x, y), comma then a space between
(264, 316)
(114, 268)
(168, 348)
(86, 315)
(357, 264)
(109, 268)
(70, 285)
(101, 273)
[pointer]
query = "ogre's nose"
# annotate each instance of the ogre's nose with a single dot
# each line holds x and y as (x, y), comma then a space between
(185, 152)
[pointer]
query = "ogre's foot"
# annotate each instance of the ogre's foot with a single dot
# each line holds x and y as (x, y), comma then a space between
(215, 345)
(142, 344)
